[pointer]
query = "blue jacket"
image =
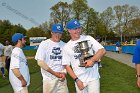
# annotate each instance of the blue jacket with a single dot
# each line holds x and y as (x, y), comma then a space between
(136, 56)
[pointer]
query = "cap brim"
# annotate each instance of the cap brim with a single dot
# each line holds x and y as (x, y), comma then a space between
(75, 27)
(25, 37)
(57, 32)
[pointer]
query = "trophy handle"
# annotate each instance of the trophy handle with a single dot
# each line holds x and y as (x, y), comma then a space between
(92, 49)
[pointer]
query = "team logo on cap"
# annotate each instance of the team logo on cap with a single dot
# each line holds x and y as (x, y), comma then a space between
(75, 22)
(58, 27)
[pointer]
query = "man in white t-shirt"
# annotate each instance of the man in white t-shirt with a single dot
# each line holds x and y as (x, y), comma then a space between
(86, 78)
(19, 73)
(7, 53)
(1, 63)
(49, 57)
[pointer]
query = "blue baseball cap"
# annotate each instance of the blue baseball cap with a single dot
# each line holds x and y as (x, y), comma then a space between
(17, 36)
(73, 24)
(57, 28)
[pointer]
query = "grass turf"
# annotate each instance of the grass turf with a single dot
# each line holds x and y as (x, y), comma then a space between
(115, 78)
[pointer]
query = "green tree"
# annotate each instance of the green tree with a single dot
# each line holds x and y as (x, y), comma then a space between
(123, 15)
(91, 22)
(7, 30)
(46, 27)
(107, 18)
(35, 32)
(134, 27)
(130, 13)
(60, 13)
(118, 17)
(80, 9)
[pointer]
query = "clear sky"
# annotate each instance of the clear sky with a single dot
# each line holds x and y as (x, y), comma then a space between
(31, 13)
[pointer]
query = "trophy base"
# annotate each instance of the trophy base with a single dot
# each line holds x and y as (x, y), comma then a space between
(82, 65)
(88, 57)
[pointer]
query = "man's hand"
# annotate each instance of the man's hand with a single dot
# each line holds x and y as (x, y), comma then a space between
(89, 63)
(138, 82)
(23, 82)
(63, 76)
(57, 74)
(60, 75)
(80, 84)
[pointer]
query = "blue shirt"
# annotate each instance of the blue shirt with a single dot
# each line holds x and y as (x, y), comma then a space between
(136, 56)
(118, 44)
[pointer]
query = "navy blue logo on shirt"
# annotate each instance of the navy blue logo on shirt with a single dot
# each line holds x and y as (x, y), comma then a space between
(76, 49)
(56, 50)
(56, 53)
(77, 52)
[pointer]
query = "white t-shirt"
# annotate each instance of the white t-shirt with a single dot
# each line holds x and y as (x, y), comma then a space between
(8, 50)
(71, 55)
(18, 60)
(1, 48)
(51, 53)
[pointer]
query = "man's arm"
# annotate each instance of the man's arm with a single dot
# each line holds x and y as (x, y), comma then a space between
(138, 74)
(95, 58)
(44, 66)
(19, 76)
(99, 54)
(75, 78)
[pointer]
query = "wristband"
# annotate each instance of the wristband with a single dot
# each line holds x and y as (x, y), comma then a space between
(76, 79)
(137, 75)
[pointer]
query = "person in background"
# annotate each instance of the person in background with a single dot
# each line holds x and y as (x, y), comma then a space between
(125, 43)
(19, 73)
(49, 58)
(118, 45)
(7, 53)
(1, 63)
(86, 78)
(136, 60)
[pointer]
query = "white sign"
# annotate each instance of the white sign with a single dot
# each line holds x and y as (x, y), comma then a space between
(35, 41)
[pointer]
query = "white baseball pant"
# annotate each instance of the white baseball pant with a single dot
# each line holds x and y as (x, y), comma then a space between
(90, 87)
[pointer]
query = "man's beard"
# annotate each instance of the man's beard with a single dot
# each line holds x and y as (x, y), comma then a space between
(23, 45)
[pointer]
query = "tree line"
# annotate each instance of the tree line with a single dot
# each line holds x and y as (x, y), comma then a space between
(112, 22)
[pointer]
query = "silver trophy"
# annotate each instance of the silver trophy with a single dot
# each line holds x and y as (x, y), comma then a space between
(85, 55)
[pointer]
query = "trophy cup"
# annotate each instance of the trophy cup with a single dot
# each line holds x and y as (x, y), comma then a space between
(85, 55)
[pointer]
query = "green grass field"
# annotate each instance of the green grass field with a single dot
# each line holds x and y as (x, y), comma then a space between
(115, 78)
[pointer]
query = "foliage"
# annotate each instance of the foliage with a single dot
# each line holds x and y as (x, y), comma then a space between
(45, 26)
(134, 27)
(60, 13)
(113, 21)
(80, 9)
(65, 36)
(7, 30)
(35, 32)
(91, 22)
(107, 18)
(123, 15)
(119, 20)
